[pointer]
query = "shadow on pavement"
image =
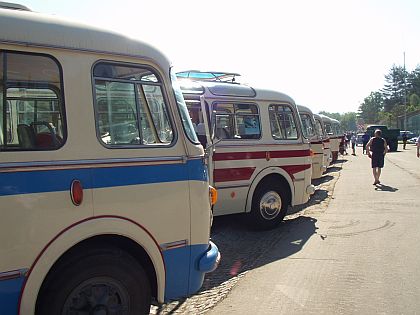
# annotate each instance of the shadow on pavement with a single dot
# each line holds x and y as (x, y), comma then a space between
(244, 249)
(381, 187)
(322, 180)
(333, 169)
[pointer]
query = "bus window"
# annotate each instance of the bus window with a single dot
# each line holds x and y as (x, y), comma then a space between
(307, 126)
(33, 106)
(130, 106)
(237, 121)
(283, 125)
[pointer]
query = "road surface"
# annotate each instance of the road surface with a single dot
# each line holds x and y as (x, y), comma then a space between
(359, 256)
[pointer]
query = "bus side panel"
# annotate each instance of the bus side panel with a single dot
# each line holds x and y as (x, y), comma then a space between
(90, 227)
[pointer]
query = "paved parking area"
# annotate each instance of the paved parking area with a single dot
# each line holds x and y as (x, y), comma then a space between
(243, 248)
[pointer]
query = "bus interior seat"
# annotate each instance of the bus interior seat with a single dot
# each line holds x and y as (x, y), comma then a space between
(26, 136)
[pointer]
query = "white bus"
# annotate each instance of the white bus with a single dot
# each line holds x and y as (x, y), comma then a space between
(325, 140)
(331, 129)
(311, 132)
(260, 162)
(104, 191)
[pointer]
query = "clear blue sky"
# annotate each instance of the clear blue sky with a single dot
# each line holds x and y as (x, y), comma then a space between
(328, 55)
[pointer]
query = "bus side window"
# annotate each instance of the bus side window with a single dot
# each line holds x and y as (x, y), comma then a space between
(33, 107)
(282, 121)
(130, 107)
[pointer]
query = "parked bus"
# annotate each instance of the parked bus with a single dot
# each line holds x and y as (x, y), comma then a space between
(104, 192)
(311, 133)
(259, 160)
(336, 138)
(325, 140)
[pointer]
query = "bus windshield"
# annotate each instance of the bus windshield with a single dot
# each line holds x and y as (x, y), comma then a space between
(182, 107)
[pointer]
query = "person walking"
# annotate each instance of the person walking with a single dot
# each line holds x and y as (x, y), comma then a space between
(353, 143)
(418, 146)
(365, 140)
(404, 139)
(378, 146)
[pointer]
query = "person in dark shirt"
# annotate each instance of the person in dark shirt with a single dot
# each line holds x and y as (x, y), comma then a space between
(376, 149)
(404, 139)
(365, 140)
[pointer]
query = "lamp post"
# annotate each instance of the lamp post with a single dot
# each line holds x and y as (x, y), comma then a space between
(405, 98)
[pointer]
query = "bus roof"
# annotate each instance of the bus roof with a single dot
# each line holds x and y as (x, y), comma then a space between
(230, 90)
(302, 108)
(36, 29)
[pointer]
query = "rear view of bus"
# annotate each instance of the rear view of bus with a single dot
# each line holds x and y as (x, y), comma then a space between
(104, 193)
(311, 132)
(259, 160)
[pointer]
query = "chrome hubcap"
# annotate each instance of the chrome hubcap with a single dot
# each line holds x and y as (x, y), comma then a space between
(270, 205)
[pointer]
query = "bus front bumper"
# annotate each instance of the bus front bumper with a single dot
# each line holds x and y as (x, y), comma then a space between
(210, 259)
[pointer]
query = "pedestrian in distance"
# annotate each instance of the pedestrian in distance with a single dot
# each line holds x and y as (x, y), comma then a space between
(418, 146)
(404, 139)
(365, 140)
(376, 149)
(353, 143)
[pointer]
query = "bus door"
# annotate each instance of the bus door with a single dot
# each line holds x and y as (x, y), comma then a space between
(208, 121)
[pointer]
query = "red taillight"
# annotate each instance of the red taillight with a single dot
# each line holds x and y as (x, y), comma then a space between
(76, 192)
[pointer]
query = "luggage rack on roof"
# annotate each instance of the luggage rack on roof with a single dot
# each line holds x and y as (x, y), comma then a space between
(209, 76)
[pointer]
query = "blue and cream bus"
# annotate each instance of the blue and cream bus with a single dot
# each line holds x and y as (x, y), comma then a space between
(105, 199)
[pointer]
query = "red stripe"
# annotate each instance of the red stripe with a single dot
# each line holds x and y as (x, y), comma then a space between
(316, 142)
(68, 228)
(233, 174)
(326, 140)
(229, 156)
(293, 169)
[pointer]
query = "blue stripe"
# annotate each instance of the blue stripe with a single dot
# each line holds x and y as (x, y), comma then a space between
(30, 182)
(9, 295)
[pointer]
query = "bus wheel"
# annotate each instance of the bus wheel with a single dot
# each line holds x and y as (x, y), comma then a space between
(269, 205)
(105, 281)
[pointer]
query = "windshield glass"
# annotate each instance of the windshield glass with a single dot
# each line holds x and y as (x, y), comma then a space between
(307, 126)
(183, 111)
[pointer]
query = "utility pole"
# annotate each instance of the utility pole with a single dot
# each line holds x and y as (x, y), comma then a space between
(405, 98)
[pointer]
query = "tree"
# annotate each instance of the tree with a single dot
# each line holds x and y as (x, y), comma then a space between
(393, 92)
(413, 82)
(370, 108)
(348, 121)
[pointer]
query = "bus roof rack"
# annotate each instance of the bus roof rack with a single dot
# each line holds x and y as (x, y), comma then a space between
(13, 6)
(209, 76)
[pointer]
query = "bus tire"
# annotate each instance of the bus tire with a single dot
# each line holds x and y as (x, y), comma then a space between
(104, 280)
(269, 205)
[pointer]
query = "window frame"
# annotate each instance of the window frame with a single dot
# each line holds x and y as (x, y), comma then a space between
(295, 120)
(303, 127)
(214, 119)
(5, 84)
(139, 97)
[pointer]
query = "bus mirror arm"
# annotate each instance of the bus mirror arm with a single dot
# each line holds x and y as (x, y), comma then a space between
(210, 148)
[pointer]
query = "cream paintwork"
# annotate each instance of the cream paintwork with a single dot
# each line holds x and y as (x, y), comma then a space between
(85, 230)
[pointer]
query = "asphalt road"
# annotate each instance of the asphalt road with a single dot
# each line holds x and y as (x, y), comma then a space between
(361, 255)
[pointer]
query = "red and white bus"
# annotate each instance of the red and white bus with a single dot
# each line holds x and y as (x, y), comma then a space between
(311, 132)
(319, 123)
(259, 160)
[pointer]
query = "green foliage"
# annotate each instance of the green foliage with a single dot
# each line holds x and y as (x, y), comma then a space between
(371, 107)
(385, 105)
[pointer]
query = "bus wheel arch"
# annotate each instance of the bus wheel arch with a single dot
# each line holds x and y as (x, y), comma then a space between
(104, 271)
(136, 242)
(268, 200)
